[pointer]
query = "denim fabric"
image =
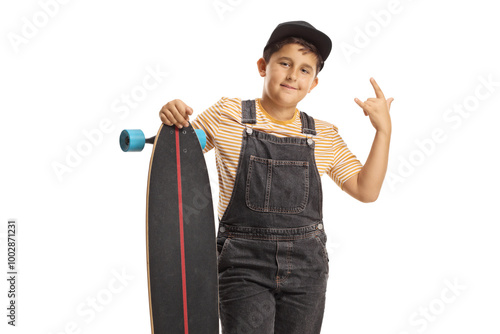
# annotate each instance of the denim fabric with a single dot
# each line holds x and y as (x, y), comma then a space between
(276, 176)
(272, 280)
(272, 258)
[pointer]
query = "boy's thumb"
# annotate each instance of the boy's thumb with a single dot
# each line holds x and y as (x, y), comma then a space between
(390, 101)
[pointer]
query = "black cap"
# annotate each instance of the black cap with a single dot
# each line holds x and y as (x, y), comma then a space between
(303, 30)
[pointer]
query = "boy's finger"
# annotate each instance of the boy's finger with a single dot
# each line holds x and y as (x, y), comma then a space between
(166, 116)
(164, 119)
(178, 115)
(180, 107)
(378, 91)
(389, 101)
(359, 103)
(171, 118)
(189, 111)
(362, 105)
(181, 112)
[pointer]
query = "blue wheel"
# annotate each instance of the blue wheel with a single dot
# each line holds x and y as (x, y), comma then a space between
(202, 138)
(132, 140)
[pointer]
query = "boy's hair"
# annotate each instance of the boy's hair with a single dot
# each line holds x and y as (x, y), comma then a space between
(307, 47)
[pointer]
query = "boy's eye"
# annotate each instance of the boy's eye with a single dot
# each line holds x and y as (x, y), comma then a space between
(285, 64)
(305, 71)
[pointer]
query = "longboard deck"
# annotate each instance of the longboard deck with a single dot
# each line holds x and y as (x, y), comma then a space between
(180, 235)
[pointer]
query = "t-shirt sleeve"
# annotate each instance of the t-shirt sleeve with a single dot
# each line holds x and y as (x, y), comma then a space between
(345, 164)
(209, 121)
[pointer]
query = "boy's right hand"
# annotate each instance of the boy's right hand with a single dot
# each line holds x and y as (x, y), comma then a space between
(176, 113)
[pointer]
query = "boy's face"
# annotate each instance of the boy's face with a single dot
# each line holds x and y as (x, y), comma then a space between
(289, 75)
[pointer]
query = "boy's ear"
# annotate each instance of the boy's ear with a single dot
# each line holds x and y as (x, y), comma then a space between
(261, 66)
(314, 84)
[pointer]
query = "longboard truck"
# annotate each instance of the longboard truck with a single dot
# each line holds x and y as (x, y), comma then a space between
(133, 140)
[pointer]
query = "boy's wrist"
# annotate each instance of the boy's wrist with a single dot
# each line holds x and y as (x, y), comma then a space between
(384, 132)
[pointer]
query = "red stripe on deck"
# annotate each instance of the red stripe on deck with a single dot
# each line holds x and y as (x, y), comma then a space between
(181, 229)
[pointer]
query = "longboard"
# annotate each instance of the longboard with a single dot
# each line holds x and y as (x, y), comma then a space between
(180, 234)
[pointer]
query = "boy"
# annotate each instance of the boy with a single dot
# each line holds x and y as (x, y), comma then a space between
(273, 263)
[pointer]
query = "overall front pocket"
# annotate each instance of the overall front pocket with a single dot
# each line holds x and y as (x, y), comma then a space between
(222, 245)
(278, 186)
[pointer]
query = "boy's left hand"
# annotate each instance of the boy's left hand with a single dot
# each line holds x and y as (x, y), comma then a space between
(377, 109)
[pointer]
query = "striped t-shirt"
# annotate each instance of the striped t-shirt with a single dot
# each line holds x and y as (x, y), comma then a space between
(223, 127)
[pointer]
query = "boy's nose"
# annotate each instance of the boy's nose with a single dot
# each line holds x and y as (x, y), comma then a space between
(292, 75)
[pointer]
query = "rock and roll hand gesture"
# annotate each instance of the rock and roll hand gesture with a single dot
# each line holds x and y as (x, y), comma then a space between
(377, 108)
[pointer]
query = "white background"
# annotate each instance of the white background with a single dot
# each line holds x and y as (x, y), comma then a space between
(434, 225)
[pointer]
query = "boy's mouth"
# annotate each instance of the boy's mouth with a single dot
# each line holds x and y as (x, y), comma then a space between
(287, 86)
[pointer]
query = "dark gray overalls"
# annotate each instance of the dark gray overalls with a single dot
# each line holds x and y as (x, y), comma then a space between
(273, 263)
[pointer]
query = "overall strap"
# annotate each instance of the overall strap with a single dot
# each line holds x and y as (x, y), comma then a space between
(248, 113)
(308, 126)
